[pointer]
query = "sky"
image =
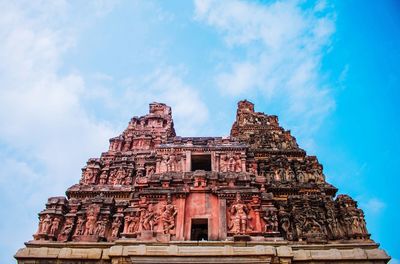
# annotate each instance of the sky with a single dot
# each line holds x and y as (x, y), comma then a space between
(73, 73)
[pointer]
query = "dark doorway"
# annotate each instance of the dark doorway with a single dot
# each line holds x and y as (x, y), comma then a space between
(199, 229)
(201, 162)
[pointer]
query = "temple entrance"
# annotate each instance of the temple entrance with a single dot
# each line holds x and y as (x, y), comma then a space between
(199, 229)
(201, 162)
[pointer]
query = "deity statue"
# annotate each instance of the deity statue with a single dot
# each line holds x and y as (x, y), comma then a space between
(54, 226)
(167, 218)
(115, 227)
(103, 177)
(46, 224)
(223, 167)
(285, 223)
(271, 221)
(119, 177)
(164, 164)
(68, 225)
(90, 223)
(80, 226)
(89, 176)
(149, 218)
(101, 227)
(238, 164)
(131, 223)
(239, 216)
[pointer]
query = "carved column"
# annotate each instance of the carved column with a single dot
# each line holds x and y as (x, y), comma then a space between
(216, 166)
(180, 218)
(158, 163)
(188, 165)
(243, 159)
(222, 218)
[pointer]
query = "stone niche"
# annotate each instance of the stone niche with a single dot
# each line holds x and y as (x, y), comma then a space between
(155, 197)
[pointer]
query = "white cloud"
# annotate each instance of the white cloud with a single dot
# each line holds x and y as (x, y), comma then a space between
(46, 134)
(166, 85)
(373, 206)
(282, 45)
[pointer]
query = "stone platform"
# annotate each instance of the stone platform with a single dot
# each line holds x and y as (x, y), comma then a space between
(126, 251)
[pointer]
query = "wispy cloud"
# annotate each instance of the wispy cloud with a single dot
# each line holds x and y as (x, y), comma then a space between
(373, 206)
(46, 134)
(281, 46)
(49, 129)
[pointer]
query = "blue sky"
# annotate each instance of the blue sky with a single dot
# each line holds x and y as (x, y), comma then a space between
(72, 74)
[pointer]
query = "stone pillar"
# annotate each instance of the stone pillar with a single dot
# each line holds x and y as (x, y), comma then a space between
(222, 219)
(158, 163)
(258, 220)
(188, 166)
(180, 218)
(243, 158)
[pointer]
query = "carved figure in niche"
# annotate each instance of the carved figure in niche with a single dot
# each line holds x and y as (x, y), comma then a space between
(301, 175)
(231, 164)
(140, 178)
(172, 163)
(164, 164)
(284, 222)
(103, 177)
(279, 175)
(91, 219)
(101, 227)
(223, 167)
(262, 169)
(317, 174)
(239, 216)
(89, 176)
(271, 221)
(131, 223)
(238, 164)
(332, 222)
(128, 180)
(46, 224)
(150, 171)
(149, 218)
(167, 218)
(115, 227)
(54, 226)
(253, 169)
(80, 226)
(289, 174)
(67, 229)
(120, 175)
(298, 221)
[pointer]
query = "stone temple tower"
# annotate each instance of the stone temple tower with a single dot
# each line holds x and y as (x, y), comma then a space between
(154, 197)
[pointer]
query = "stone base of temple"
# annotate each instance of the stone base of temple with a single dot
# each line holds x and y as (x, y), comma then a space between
(126, 251)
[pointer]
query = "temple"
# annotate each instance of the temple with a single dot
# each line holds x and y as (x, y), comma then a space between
(154, 197)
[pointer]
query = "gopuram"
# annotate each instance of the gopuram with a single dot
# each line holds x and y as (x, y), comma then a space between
(154, 197)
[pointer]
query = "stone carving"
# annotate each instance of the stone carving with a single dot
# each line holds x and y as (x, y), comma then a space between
(101, 227)
(80, 226)
(66, 230)
(132, 220)
(142, 187)
(170, 163)
(230, 163)
(239, 220)
(149, 218)
(91, 220)
(55, 225)
(271, 221)
(167, 218)
(116, 227)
